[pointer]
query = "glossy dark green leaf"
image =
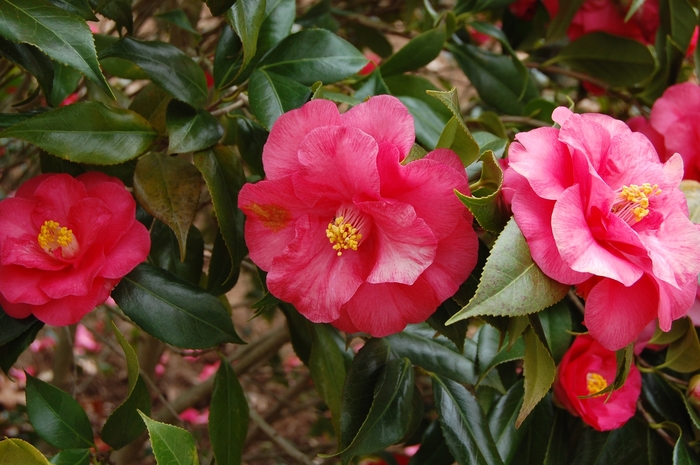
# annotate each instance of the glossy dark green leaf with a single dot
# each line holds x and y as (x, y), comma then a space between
(228, 416)
(10, 119)
(502, 423)
(224, 177)
(219, 7)
(433, 448)
(540, 109)
(389, 416)
(61, 35)
(78, 7)
(616, 60)
(557, 325)
(418, 52)
(56, 417)
(409, 85)
(65, 82)
(272, 94)
(251, 138)
(373, 39)
(511, 283)
(456, 332)
(16, 451)
(179, 18)
(168, 188)
(13, 327)
(87, 132)
(302, 340)
(245, 18)
(190, 130)
(117, 10)
(166, 65)
(428, 123)
(173, 310)
(683, 354)
(171, 445)
(165, 252)
(327, 368)
(497, 78)
(358, 391)
(627, 445)
(152, 103)
(456, 135)
(557, 447)
(11, 350)
(313, 55)
(374, 85)
(663, 401)
(683, 455)
(279, 18)
(228, 58)
(116, 66)
(464, 424)
(486, 202)
(221, 277)
(539, 371)
(72, 457)
(124, 424)
(32, 60)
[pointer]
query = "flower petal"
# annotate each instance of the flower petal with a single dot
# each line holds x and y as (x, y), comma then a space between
(384, 118)
(70, 309)
(280, 151)
(130, 250)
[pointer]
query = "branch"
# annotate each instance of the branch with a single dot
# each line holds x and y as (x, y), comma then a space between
(279, 440)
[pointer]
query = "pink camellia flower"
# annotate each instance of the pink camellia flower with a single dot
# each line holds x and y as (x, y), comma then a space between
(609, 16)
(348, 234)
(587, 368)
(65, 243)
(600, 211)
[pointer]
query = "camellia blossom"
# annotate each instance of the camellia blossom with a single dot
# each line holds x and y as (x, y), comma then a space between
(348, 234)
(609, 16)
(599, 210)
(65, 243)
(586, 369)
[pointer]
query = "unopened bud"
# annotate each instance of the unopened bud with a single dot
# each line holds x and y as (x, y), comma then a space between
(693, 393)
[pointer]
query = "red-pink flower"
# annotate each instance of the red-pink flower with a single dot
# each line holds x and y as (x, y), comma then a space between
(587, 368)
(348, 234)
(609, 16)
(600, 211)
(65, 243)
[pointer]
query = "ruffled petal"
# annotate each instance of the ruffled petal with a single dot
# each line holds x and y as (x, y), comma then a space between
(280, 151)
(674, 303)
(404, 244)
(21, 285)
(384, 118)
(25, 251)
(15, 218)
(70, 309)
(312, 277)
(55, 198)
(615, 314)
(130, 250)
(76, 280)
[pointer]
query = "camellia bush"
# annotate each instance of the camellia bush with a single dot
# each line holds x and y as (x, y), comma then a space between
(395, 232)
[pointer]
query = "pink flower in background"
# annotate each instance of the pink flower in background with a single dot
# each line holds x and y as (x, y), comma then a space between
(600, 211)
(609, 16)
(65, 243)
(84, 341)
(348, 234)
(587, 368)
(523, 9)
(374, 61)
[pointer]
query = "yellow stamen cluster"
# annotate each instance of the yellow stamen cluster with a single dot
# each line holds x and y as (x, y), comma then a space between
(595, 383)
(343, 235)
(53, 236)
(632, 203)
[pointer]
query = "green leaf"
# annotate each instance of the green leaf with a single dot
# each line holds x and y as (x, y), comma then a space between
(77, 7)
(683, 355)
(272, 94)
(32, 60)
(497, 78)
(64, 37)
(491, 352)
(464, 424)
(374, 85)
(72, 457)
(10, 351)
(433, 448)
(313, 55)
(224, 177)
(165, 252)
(221, 276)
(166, 65)
(456, 135)
(502, 422)
(87, 132)
(65, 81)
(251, 138)
(663, 400)
(16, 451)
(456, 332)
(511, 283)
(486, 202)
(557, 326)
(171, 445)
(327, 368)
(279, 18)
(179, 18)
(616, 60)
(219, 7)
(190, 130)
(117, 66)
(152, 103)
(682, 455)
(418, 52)
(56, 417)
(228, 416)
(428, 123)
(173, 310)
(539, 371)
(560, 23)
(117, 10)
(246, 18)
(168, 188)
(227, 58)
(359, 388)
(389, 416)
(415, 86)
(13, 327)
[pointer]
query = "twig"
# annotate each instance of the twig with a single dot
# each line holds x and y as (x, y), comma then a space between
(279, 440)
(227, 108)
(654, 425)
(575, 300)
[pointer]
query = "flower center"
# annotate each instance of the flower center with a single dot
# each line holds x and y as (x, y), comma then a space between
(52, 236)
(595, 383)
(632, 202)
(343, 235)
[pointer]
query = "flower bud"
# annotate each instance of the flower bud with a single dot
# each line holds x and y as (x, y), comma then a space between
(693, 392)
